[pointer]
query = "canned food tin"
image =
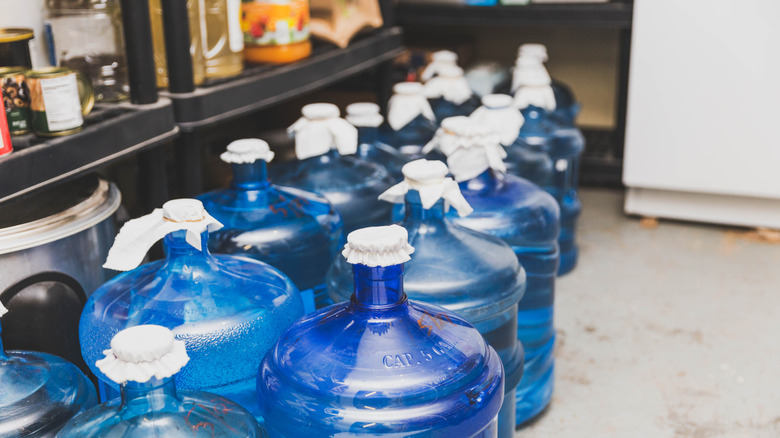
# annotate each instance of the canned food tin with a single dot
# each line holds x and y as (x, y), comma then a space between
(59, 100)
(5, 136)
(16, 97)
(15, 47)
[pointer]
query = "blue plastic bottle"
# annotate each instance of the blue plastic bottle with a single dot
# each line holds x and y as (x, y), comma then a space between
(470, 273)
(39, 392)
(450, 94)
(565, 108)
(527, 219)
(380, 365)
(366, 118)
(228, 310)
(294, 231)
(143, 360)
(325, 145)
(411, 123)
(548, 154)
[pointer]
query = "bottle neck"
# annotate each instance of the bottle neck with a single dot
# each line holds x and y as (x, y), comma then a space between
(416, 213)
(250, 176)
(484, 182)
(153, 395)
(178, 252)
(368, 134)
(379, 286)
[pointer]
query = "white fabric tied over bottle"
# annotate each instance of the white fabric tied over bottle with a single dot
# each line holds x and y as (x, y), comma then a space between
(138, 235)
(320, 130)
(499, 113)
(471, 147)
(407, 102)
(449, 85)
(429, 178)
(532, 84)
(364, 114)
(533, 50)
(3, 310)
(247, 150)
(378, 246)
(139, 353)
(439, 59)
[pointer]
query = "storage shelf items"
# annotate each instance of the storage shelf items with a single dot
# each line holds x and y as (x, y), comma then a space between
(111, 132)
(262, 86)
(610, 15)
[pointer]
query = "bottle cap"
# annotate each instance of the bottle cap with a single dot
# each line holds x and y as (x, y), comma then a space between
(316, 111)
(139, 353)
(531, 50)
(478, 149)
(450, 85)
(429, 179)
(450, 71)
(378, 246)
(449, 135)
(3, 310)
(138, 235)
(497, 101)
(444, 56)
(247, 150)
(320, 130)
(499, 113)
(366, 114)
(407, 103)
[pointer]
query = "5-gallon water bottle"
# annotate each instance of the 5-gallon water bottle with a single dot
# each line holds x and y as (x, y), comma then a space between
(450, 93)
(381, 365)
(410, 120)
(143, 360)
(439, 59)
(548, 154)
(527, 219)
(228, 310)
(529, 70)
(325, 145)
(40, 392)
(294, 231)
(470, 273)
(366, 118)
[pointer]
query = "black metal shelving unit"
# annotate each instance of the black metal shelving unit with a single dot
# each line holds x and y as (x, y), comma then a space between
(602, 162)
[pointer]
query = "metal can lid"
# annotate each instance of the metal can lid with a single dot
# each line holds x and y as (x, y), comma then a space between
(11, 34)
(5, 71)
(49, 72)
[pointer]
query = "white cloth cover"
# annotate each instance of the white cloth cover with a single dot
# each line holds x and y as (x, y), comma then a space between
(364, 114)
(533, 50)
(378, 246)
(407, 102)
(247, 150)
(3, 310)
(139, 353)
(499, 113)
(320, 130)
(479, 151)
(138, 235)
(450, 85)
(429, 179)
(438, 60)
(531, 84)
(449, 135)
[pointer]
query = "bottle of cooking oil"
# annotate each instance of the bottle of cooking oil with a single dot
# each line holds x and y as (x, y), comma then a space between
(196, 13)
(224, 49)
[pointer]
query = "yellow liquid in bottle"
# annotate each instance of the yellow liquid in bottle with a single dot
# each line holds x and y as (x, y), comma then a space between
(224, 39)
(195, 10)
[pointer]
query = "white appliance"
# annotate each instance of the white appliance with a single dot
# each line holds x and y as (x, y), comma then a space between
(702, 142)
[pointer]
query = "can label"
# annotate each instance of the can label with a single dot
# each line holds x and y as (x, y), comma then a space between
(5, 135)
(16, 98)
(275, 24)
(55, 103)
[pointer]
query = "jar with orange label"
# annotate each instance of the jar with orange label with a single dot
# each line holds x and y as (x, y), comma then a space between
(275, 31)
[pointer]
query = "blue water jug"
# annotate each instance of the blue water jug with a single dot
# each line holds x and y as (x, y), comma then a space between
(40, 392)
(143, 360)
(228, 310)
(411, 123)
(327, 164)
(292, 230)
(527, 219)
(450, 93)
(564, 106)
(366, 118)
(379, 364)
(470, 273)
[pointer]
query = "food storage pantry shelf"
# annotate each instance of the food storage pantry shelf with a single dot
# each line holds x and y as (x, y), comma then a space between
(111, 132)
(261, 86)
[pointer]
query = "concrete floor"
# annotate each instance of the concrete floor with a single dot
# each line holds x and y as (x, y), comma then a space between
(672, 331)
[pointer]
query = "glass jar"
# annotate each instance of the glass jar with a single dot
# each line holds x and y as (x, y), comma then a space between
(195, 12)
(87, 37)
(276, 31)
(224, 49)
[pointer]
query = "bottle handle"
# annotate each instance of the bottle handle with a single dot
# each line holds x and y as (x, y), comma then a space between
(86, 93)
